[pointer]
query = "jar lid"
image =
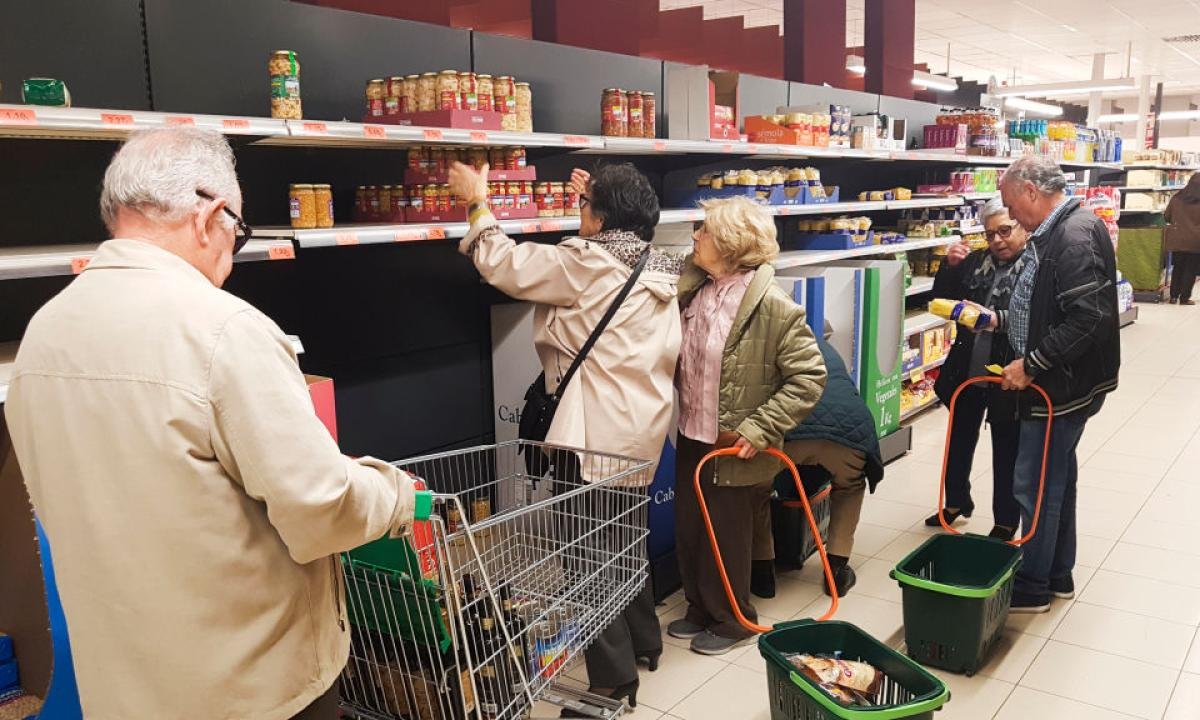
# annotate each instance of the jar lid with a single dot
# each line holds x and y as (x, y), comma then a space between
(322, 186)
(283, 52)
(505, 77)
(377, 80)
(522, 84)
(429, 74)
(449, 72)
(301, 186)
(646, 93)
(485, 75)
(396, 77)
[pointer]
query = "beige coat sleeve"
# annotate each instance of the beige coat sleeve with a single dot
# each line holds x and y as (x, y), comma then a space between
(803, 372)
(268, 437)
(548, 274)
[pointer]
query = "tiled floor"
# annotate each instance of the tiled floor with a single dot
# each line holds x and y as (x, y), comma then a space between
(1128, 647)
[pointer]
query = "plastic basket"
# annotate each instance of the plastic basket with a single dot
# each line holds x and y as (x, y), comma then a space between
(794, 541)
(956, 592)
(908, 690)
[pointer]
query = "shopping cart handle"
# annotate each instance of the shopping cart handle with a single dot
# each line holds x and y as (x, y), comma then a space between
(422, 504)
(794, 623)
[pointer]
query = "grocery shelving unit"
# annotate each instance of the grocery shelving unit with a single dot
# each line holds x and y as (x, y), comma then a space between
(920, 285)
(49, 261)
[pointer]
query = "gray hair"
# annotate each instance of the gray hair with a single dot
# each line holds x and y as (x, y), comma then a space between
(1043, 172)
(994, 207)
(157, 173)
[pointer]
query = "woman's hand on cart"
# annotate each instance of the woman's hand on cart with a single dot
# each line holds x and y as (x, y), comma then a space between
(730, 439)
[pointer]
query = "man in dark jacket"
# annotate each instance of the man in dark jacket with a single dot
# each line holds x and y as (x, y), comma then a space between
(1062, 323)
(838, 439)
(986, 277)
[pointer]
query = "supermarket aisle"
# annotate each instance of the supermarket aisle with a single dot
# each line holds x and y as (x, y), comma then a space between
(1127, 647)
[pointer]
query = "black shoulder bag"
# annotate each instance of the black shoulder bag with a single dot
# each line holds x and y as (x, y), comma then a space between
(540, 406)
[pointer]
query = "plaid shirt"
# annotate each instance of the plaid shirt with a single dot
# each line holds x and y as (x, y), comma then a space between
(1018, 307)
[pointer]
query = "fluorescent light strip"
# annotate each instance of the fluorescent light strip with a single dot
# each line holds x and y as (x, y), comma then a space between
(857, 65)
(1033, 107)
(1179, 115)
(1067, 88)
(1118, 118)
(947, 86)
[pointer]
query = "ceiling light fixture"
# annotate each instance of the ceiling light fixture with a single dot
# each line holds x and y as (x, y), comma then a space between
(1179, 115)
(1118, 118)
(1066, 88)
(856, 65)
(1030, 106)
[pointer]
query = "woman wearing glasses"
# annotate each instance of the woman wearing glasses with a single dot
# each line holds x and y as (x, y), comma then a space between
(985, 277)
(620, 400)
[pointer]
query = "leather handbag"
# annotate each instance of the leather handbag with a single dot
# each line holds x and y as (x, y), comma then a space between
(540, 405)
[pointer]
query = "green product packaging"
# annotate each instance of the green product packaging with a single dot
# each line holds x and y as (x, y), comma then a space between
(45, 91)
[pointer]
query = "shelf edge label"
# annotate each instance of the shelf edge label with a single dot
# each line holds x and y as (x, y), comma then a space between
(660, 146)
(479, 136)
(375, 132)
(180, 120)
(551, 226)
(437, 233)
(235, 123)
(316, 128)
(410, 235)
(433, 135)
(346, 238)
(116, 118)
(79, 264)
(532, 227)
(18, 116)
(576, 141)
(281, 252)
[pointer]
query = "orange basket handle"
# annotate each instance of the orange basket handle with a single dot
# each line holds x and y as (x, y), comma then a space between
(712, 536)
(1037, 508)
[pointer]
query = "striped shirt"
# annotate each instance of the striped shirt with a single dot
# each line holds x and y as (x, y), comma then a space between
(1022, 298)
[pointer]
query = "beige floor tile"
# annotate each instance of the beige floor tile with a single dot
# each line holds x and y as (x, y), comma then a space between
(870, 539)
(669, 603)
(1091, 550)
(1107, 524)
(899, 516)
(972, 698)
(680, 673)
(1185, 702)
(874, 581)
(1117, 632)
(881, 618)
(1121, 684)
(1156, 443)
(1166, 565)
(1028, 704)
(901, 547)
(1178, 536)
(1144, 596)
(791, 596)
(1127, 465)
(1044, 624)
(1133, 484)
(1192, 664)
(734, 692)
(1012, 655)
(1090, 498)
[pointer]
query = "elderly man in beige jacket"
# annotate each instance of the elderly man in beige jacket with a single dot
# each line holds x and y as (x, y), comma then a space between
(194, 502)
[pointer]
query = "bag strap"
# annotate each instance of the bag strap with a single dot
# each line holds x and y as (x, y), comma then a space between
(608, 316)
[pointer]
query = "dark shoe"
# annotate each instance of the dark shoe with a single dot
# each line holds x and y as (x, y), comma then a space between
(1063, 588)
(629, 690)
(1003, 532)
(762, 578)
(684, 629)
(1187, 302)
(710, 643)
(651, 658)
(1173, 301)
(952, 514)
(1028, 604)
(843, 579)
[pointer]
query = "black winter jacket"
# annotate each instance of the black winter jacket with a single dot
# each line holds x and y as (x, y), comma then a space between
(1074, 345)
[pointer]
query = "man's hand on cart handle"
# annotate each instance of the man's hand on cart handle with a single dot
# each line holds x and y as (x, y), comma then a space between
(1015, 377)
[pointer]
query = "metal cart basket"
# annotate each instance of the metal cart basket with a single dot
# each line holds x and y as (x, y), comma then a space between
(480, 608)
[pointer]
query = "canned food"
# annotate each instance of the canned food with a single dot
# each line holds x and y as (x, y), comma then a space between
(524, 102)
(613, 119)
(634, 124)
(498, 158)
(302, 206)
(284, 71)
(478, 157)
(438, 162)
(372, 204)
(447, 90)
(395, 91)
(557, 190)
(445, 199)
(416, 198)
(416, 158)
(485, 89)
(468, 95)
(430, 195)
(323, 199)
(360, 203)
(376, 94)
(649, 129)
(427, 92)
(505, 101)
(408, 94)
(384, 199)
(571, 202)
(515, 158)
(399, 203)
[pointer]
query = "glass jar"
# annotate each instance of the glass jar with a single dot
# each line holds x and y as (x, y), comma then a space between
(360, 203)
(384, 200)
(409, 94)
(447, 90)
(485, 89)
(302, 206)
(427, 92)
(468, 92)
(497, 158)
(557, 190)
(284, 71)
(416, 198)
(399, 203)
(613, 122)
(376, 95)
(636, 117)
(391, 98)
(515, 158)
(478, 157)
(649, 128)
(524, 101)
(571, 203)
(504, 100)
(323, 205)
(543, 199)
(416, 158)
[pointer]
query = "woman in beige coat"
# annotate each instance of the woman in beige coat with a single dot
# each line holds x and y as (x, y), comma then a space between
(620, 401)
(749, 371)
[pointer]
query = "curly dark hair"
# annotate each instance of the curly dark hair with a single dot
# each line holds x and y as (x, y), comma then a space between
(623, 200)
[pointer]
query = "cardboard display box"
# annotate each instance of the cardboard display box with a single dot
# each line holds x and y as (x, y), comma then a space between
(694, 96)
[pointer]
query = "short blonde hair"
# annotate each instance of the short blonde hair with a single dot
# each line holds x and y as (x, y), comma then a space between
(742, 230)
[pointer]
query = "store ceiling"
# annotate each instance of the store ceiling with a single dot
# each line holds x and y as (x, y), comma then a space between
(1031, 41)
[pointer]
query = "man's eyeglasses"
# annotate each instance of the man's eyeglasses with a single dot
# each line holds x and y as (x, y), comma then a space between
(243, 233)
(1004, 231)
(584, 201)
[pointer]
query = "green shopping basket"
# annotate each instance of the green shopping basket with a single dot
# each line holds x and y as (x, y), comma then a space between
(956, 589)
(907, 690)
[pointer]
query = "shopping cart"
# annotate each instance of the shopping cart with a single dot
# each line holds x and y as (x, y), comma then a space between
(907, 690)
(477, 612)
(957, 588)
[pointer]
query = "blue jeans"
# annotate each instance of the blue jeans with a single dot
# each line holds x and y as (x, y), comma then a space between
(1051, 552)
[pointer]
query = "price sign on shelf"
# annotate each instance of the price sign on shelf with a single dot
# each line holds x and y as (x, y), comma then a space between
(433, 135)
(181, 120)
(235, 123)
(660, 146)
(316, 128)
(375, 132)
(116, 118)
(18, 116)
(79, 264)
(551, 226)
(727, 148)
(346, 238)
(281, 252)
(576, 141)
(531, 228)
(437, 233)
(411, 235)
(479, 136)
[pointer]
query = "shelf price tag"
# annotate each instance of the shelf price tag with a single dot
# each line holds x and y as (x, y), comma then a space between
(375, 132)
(433, 135)
(411, 235)
(727, 148)
(316, 128)
(116, 118)
(235, 123)
(752, 149)
(576, 141)
(18, 116)
(551, 226)
(281, 252)
(346, 238)
(660, 146)
(79, 264)
(181, 120)
(437, 233)
(531, 228)
(479, 136)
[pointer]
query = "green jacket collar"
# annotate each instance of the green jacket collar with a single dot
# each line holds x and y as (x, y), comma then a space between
(693, 278)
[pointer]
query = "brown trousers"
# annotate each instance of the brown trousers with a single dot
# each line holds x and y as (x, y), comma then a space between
(324, 707)
(849, 487)
(732, 510)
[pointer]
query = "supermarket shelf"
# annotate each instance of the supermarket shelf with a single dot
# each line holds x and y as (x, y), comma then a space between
(922, 321)
(1129, 316)
(981, 195)
(920, 284)
(799, 258)
(1161, 167)
(95, 124)
(1138, 211)
(972, 229)
(949, 201)
(917, 410)
(54, 260)
(318, 133)
(948, 156)
(926, 367)
(1156, 188)
(896, 445)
